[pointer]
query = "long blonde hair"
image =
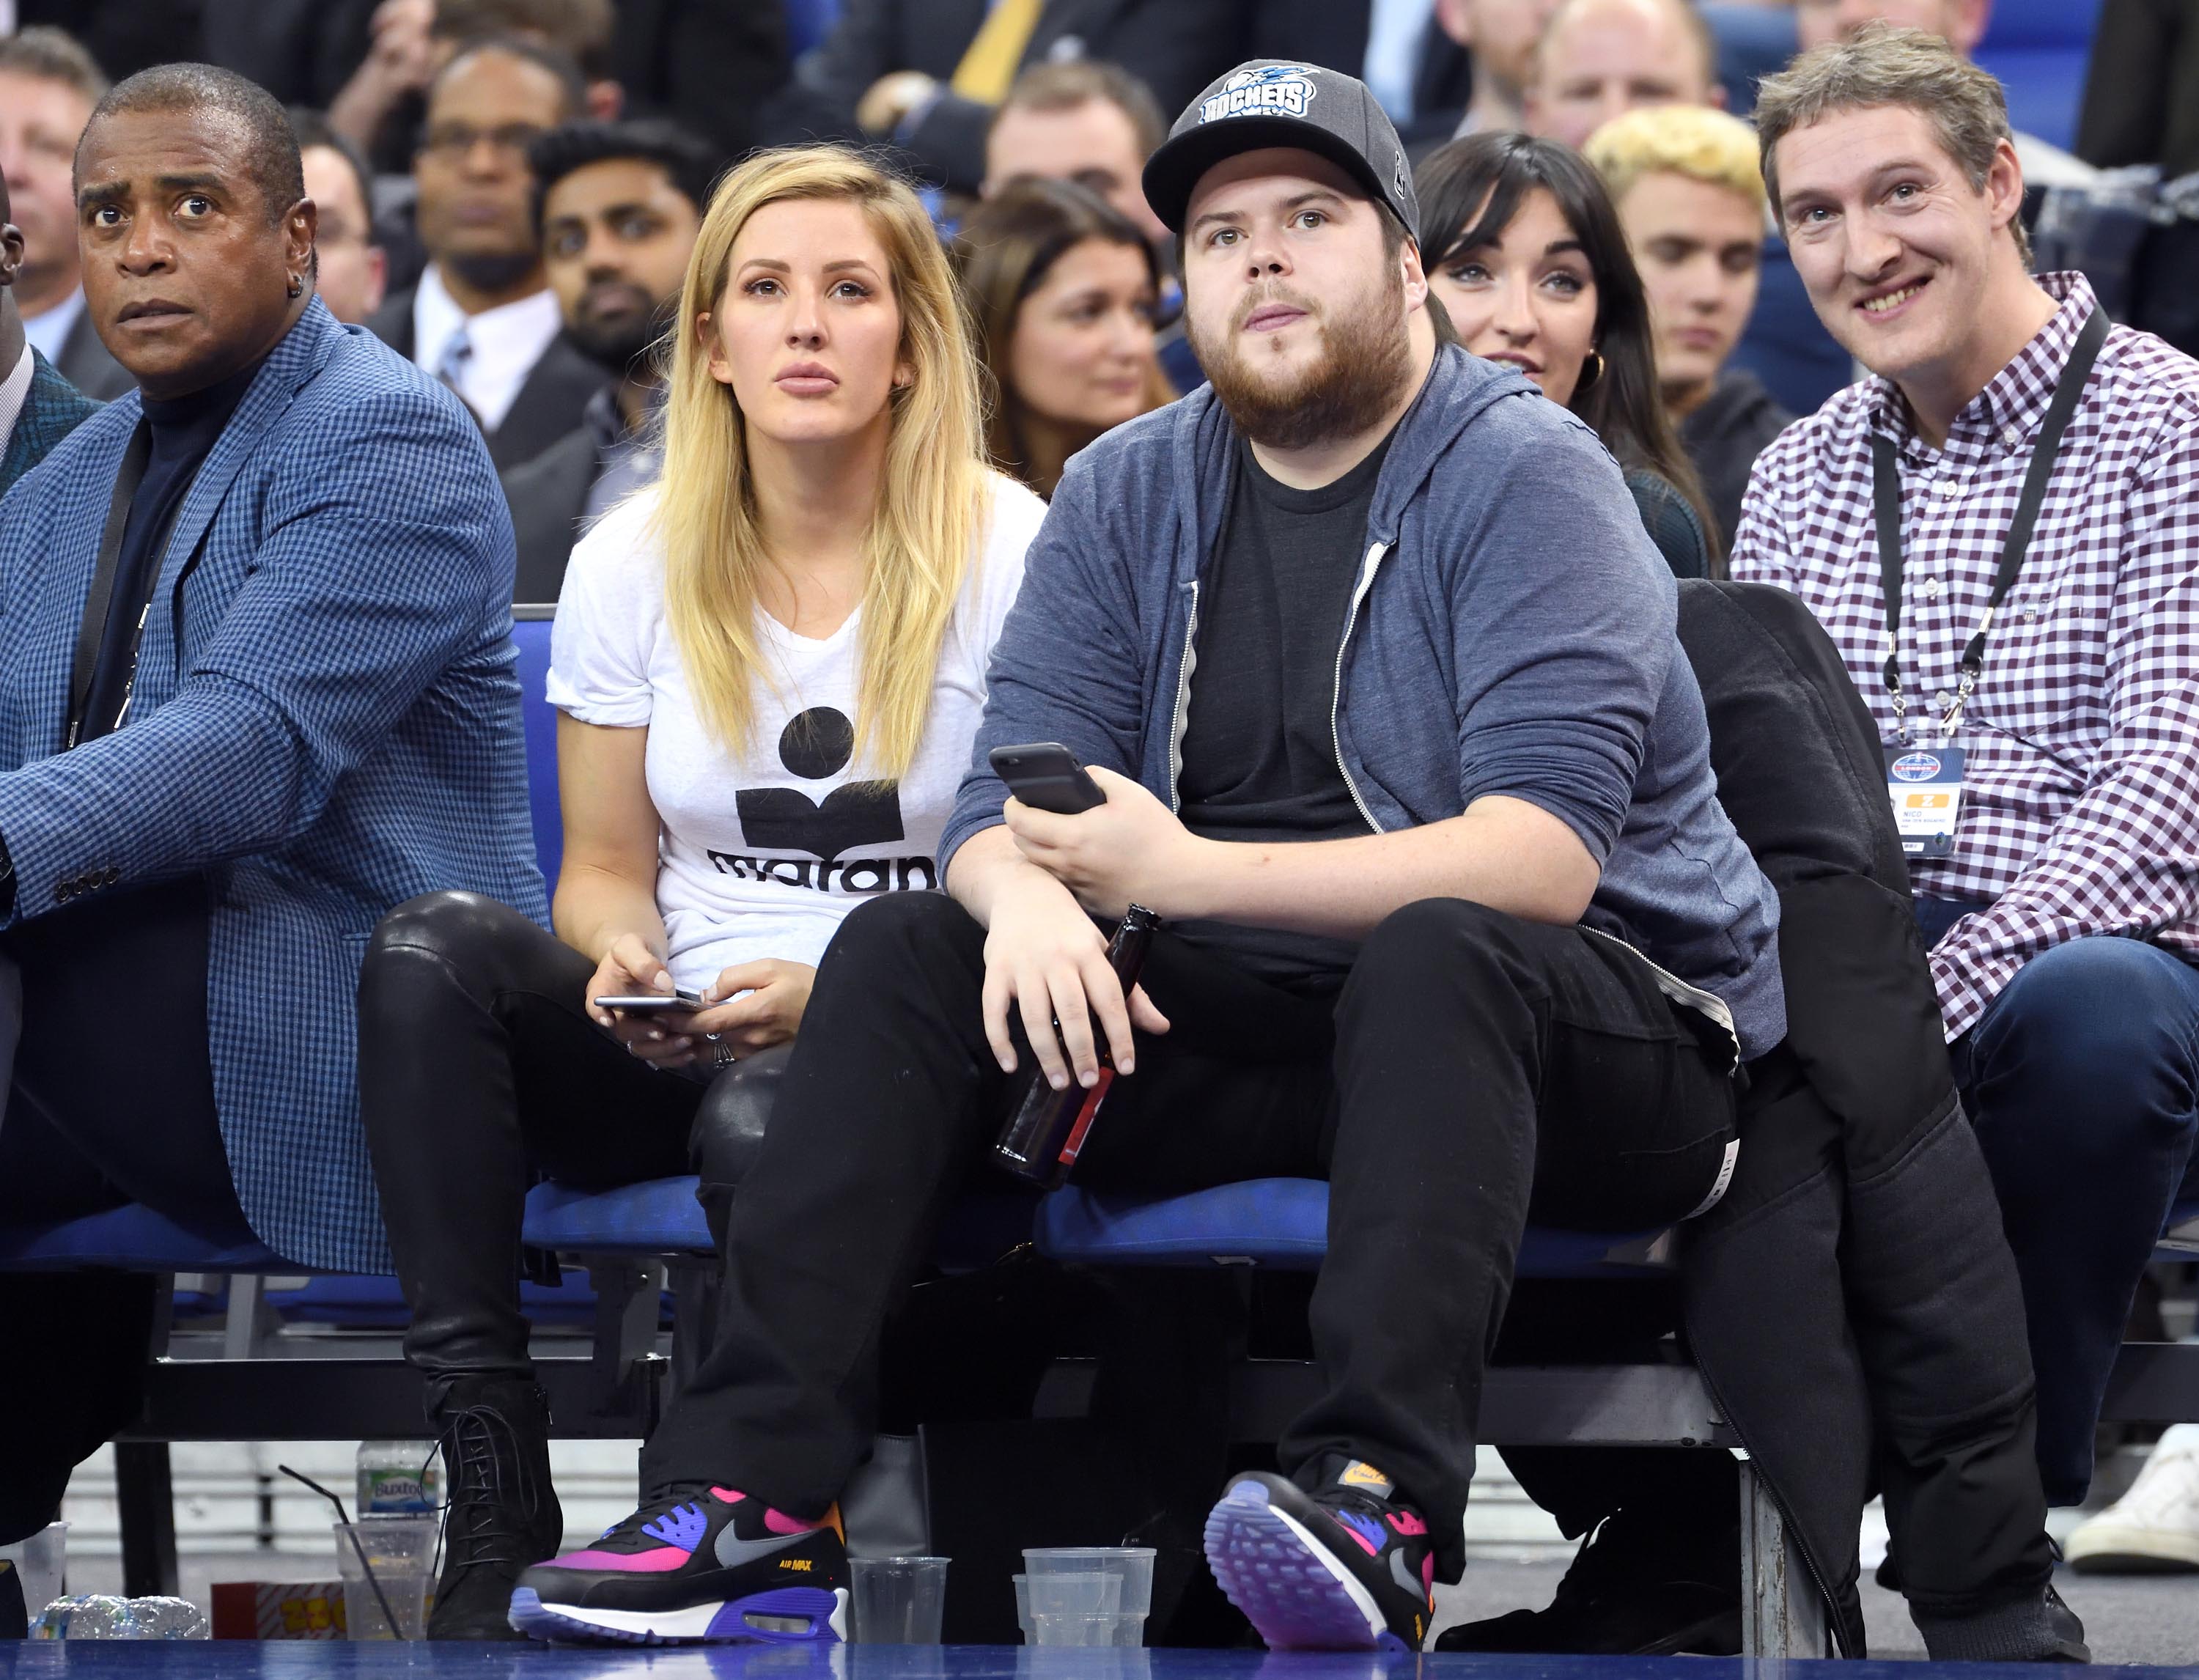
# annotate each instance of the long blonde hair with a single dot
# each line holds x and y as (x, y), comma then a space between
(928, 517)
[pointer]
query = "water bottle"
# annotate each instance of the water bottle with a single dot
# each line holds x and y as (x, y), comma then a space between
(1042, 1141)
(102, 1616)
(398, 1478)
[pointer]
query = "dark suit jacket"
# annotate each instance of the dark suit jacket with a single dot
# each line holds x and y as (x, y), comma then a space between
(1176, 47)
(548, 404)
(86, 363)
(548, 496)
(52, 409)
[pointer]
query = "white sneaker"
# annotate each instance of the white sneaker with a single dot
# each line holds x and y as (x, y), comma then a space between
(2154, 1527)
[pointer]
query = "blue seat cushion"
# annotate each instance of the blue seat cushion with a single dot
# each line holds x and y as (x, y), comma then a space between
(132, 1238)
(661, 1216)
(1276, 1221)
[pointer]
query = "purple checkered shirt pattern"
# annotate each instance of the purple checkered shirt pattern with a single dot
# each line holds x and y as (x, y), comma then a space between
(2080, 814)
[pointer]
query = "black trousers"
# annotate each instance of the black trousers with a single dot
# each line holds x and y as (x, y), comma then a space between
(1475, 1069)
(93, 1124)
(480, 1071)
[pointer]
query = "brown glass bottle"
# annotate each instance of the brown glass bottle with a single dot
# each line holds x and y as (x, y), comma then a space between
(1042, 1140)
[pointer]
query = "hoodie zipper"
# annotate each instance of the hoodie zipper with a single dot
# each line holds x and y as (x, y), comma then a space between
(1182, 702)
(1375, 553)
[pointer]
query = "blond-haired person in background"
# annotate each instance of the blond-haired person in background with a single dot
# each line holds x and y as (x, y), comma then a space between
(1686, 183)
(771, 666)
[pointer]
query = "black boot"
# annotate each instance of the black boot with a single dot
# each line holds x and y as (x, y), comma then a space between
(1636, 1588)
(503, 1515)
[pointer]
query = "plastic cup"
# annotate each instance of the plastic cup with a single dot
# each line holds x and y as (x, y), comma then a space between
(897, 1600)
(400, 1553)
(1075, 1630)
(1022, 1606)
(42, 1562)
(1076, 1594)
(1133, 1564)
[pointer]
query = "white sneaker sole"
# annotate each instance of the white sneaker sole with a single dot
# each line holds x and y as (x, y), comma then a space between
(2115, 1548)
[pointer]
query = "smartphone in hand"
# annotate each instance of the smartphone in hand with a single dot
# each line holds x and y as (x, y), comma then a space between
(1046, 776)
(654, 1003)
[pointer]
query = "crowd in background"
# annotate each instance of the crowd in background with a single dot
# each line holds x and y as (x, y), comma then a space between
(522, 198)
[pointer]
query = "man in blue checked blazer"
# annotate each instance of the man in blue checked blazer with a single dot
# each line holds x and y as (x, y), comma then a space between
(256, 687)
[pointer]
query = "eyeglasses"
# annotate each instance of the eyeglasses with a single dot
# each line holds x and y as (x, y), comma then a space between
(453, 142)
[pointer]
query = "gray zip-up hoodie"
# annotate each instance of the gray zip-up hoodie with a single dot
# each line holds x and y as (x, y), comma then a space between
(1512, 632)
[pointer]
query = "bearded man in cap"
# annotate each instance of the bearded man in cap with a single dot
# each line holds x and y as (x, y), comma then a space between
(1370, 654)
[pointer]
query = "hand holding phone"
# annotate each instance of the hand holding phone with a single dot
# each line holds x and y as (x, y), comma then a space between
(1046, 776)
(631, 995)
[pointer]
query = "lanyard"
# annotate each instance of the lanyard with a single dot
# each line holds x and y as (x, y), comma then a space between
(1885, 491)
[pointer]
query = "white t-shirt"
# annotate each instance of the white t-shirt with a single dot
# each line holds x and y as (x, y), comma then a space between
(763, 851)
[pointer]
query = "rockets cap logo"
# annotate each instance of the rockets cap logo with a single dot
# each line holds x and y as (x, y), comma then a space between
(1264, 90)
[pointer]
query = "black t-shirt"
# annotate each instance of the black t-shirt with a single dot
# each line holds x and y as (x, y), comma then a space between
(185, 432)
(1259, 745)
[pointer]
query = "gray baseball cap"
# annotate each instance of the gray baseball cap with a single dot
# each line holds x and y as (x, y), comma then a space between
(1283, 102)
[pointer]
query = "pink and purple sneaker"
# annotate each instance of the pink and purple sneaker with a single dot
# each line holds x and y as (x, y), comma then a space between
(704, 1565)
(1346, 1567)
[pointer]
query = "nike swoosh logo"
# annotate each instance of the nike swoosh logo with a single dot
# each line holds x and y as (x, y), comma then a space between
(733, 1552)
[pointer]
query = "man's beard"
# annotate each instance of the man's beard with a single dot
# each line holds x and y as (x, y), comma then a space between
(1366, 359)
(493, 270)
(625, 346)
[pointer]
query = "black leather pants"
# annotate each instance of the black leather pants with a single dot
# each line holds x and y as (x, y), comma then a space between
(479, 1072)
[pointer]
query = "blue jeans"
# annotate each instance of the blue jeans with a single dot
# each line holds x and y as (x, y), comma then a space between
(2082, 1081)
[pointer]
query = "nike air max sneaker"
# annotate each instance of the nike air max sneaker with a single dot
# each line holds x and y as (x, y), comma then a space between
(704, 1565)
(1345, 1568)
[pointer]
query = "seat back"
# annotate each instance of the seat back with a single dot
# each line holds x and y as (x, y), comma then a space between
(1794, 746)
(2038, 50)
(530, 634)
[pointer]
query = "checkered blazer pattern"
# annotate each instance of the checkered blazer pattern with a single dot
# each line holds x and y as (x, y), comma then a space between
(52, 409)
(326, 723)
(2081, 812)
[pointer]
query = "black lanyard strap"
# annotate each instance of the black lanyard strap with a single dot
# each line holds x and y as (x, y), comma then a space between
(1885, 496)
(102, 597)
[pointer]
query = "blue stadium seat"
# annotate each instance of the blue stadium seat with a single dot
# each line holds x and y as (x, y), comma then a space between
(132, 1239)
(809, 23)
(661, 1217)
(2039, 48)
(1281, 1222)
(530, 634)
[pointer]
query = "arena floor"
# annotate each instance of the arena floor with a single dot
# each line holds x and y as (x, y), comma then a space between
(283, 1662)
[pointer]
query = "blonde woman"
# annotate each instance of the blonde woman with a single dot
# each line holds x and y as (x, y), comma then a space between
(770, 668)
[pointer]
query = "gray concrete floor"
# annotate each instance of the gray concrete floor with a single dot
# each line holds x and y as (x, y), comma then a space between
(2128, 1619)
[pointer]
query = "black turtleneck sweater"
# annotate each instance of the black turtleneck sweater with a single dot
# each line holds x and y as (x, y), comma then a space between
(185, 432)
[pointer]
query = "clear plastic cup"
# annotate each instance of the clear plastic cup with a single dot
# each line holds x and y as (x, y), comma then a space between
(1133, 1565)
(1069, 1630)
(42, 1562)
(897, 1600)
(1022, 1606)
(394, 1555)
(1075, 1594)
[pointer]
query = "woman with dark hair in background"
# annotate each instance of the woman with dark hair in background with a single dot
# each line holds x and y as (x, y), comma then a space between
(1522, 247)
(1062, 289)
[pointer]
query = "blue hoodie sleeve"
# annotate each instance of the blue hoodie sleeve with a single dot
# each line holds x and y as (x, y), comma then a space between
(1067, 667)
(1564, 624)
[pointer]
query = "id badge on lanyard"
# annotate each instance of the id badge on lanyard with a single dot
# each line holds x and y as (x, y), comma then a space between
(1924, 781)
(1926, 785)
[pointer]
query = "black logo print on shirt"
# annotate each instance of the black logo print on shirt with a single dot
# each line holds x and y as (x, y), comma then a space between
(815, 744)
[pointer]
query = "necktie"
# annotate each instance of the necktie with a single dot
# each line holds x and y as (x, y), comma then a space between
(989, 66)
(457, 357)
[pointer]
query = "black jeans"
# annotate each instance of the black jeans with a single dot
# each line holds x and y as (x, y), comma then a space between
(478, 1072)
(1476, 1068)
(91, 1124)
